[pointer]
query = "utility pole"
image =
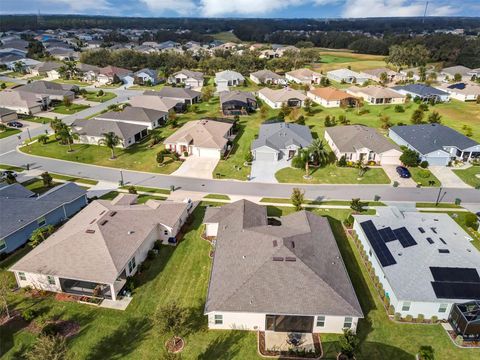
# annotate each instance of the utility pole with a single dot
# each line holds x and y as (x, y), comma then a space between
(425, 12)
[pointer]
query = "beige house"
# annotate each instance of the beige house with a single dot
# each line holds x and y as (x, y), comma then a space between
(153, 102)
(376, 75)
(330, 97)
(23, 102)
(95, 251)
(193, 79)
(7, 115)
(377, 95)
(304, 76)
(206, 138)
(275, 98)
(361, 143)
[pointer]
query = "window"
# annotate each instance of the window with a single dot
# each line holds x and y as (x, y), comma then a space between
(51, 280)
(3, 244)
(442, 308)
(132, 265)
(320, 321)
(22, 276)
(406, 306)
(41, 222)
(347, 324)
(218, 319)
(165, 232)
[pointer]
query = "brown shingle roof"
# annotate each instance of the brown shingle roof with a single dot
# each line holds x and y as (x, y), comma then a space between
(203, 133)
(330, 94)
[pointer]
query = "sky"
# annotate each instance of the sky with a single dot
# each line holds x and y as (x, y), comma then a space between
(245, 8)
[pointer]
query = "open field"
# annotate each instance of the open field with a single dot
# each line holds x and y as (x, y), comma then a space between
(331, 60)
(226, 36)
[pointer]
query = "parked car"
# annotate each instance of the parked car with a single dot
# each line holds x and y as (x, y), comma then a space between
(403, 172)
(5, 173)
(15, 124)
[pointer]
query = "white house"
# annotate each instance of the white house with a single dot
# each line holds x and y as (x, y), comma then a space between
(346, 75)
(461, 91)
(304, 76)
(275, 98)
(425, 262)
(229, 78)
(377, 95)
(192, 79)
(285, 278)
(361, 143)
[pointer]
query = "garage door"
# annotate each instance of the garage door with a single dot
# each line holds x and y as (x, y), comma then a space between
(208, 153)
(265, 156)
(437, 161)
(390, 160)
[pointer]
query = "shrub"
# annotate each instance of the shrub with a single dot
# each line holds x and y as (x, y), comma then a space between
(424, 164)
(426, 353)
(185, 153)
(348, 222)
(248, 157)
(434, 319)
(298, 162)
(150, 255)
(363, 111)
(391, 310)
(410, 157)
(29, 314)
(420, 318)
(399, 109)
(132, 190)
(424, 174)
(131, 283)
(342, 162)
(100, 93)
(51, 329)
(157, 245)
(459, 340)
(409, 318)
(423, 107)
(471, 220)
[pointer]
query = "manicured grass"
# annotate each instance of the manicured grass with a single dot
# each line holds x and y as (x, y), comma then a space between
(439, 205)
(68, 110)
(148, 189)
(8, 84)
(11, 167)
(36, 119)
(92, 96)
(74, 179)
(72, 81)
(110, 195)
(423, 177)
(14, 74)
(226, 36)
(36, 185)
(111, 86)
(217, 196)
(330, 58)
(470, 176)
(318, 202)
(9, 132)
(145, 88)
(137, 157)
(332, 174)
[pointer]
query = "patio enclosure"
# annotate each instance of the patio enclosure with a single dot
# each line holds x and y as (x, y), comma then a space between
(288, 323)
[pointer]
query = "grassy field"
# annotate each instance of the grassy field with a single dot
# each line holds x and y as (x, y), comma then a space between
(332, 174)
(439, 205)
(423, 177)
(9, 132)
(332, 60)
(181, 275)
(69, 110)
(470, 176)
(226, 36)
(74, 179)
(148, 189)
(92, 96)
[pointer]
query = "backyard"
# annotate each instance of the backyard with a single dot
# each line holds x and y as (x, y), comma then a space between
(180, 275)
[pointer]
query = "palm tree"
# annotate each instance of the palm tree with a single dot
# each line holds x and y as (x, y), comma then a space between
(318, 152)
(67, 136)
(56, 124)
(42, 139)
(110, 140)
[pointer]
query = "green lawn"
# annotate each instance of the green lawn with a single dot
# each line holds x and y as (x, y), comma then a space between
(145, 88)
(73, 178)
(332, 174)
(92, 96)
(318, 202)
(8, 84)
(9, 132)
(69, 110)
(36, 119)
(423, 177)
(72, 81)
(470, 176)
(217, 196)
(180, 274)
(330, 58)
(36, 185)
(439, 205)
(148, 189)
(11, 167)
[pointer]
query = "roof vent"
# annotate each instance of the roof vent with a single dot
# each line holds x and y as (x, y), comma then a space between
(443, 251)
(90, 231)
(290, 258)
(91, 222)
(130, 232)
(293, 244)
(443, 241)
(113, 213)
(104, 222)
(275, 243)
(103, 212)
(277, 258)
(430, 240)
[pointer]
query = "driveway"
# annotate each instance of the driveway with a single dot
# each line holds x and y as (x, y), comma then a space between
(197, 167)
(447, 177)
(393, 175)
(264, 170)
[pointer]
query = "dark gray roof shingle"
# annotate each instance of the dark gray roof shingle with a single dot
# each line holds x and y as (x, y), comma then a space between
(279, 135)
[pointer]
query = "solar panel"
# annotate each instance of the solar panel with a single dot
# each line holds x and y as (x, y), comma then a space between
(381, 250)
(456, 290)
(404, 237)
(387, 234)
(455, 274)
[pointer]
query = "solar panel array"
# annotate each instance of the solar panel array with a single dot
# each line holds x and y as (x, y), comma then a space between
(455, 283)
(387, 234)
(405, 238)
(378, 244)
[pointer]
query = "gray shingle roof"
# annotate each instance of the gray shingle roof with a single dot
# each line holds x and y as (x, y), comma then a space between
(47, 88)
(15, 191)
(245, 278)
(432, 137)
(421, 90)
(177, 92)
(97, 127)
(240, 96)
(279, 135)
(263, 75)
(133, 113)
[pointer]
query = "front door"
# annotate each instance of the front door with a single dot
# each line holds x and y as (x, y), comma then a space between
(291, 153)
(288, 323)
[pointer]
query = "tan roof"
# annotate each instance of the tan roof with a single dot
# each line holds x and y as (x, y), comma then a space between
(330, 93)
(18, 98)
(303, 73)
(282, 95)
(375, 91)
(377, 72)
(202, 133)
(115, 232)
(153, 102)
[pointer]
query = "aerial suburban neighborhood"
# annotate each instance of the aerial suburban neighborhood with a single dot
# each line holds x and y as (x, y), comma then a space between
(178, 181)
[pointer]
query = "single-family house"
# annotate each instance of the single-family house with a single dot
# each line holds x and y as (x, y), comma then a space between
(376, 75)
(205, 138)
(91, 131)
(275, 98)
(23, 102)
(63, 53)
(237, 102)
(229, 78)
(425, 262)
(267, 77)
(7, 115)
(25, 64)
(377, 95)
(474, 74)
(24, 211)
(52, 90)
(304, 76)
(49, 69)
(150, 118)
(94, 253)
(155, 102)
(435, 143)
(287, 277)
(181, 95)
(192, 79)
(113, 74)
(88, 73)
(423, 92)
(347, 76)
(461, 91)
(331, 97)
(449, 73)
(280, 140)
(362, 143)
(414, 73)
(146, 77)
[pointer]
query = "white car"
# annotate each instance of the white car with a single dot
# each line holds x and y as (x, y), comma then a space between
(5, 173)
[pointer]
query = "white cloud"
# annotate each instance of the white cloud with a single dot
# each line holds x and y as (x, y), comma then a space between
(79, 6)
(182, 7)
(397, 8)
(245, 7)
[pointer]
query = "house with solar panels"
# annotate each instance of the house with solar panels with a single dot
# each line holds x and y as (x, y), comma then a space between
(426, 262)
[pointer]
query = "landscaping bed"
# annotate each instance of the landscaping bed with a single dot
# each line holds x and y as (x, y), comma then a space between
(292, 353)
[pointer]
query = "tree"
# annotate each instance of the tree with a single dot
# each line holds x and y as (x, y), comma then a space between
(100, 93)
(10, 178)
(40, 234)
(349, 343)
(110, 140)
(383, 78)
(56, 124)
(68, 70)
(66, 135)
(357, 205)
(457, 77)
(171, 319)
(132, 190)
(4, 290)
(318, 151)
(297, 198)
(422, 73)
(409, 55)
(285, 109)
(66, 101)
(307, 105)
(410, 157)
(249, 157)
(435, 118)
(263, 111)
(417, 116)
(47, 179)
(385, 120)
(3, 127)
(43, 139)
(48, 347)
(207, 93)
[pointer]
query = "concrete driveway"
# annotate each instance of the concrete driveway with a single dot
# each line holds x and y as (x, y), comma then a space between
(447, 177)
(197, 167)
(393, 175)
(264, 170)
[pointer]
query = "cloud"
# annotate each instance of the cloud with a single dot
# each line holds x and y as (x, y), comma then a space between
(182, 7)
(245, 7)
(79, 6)
(397, 8)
